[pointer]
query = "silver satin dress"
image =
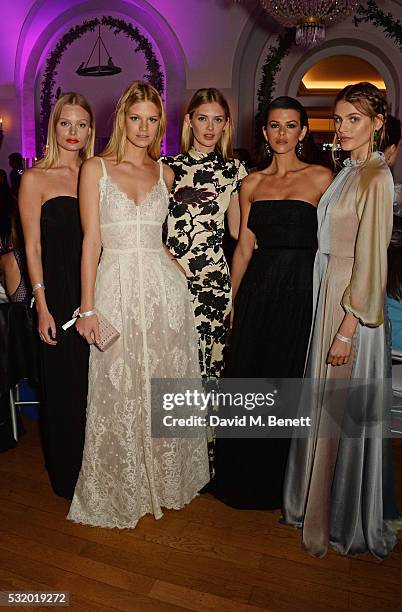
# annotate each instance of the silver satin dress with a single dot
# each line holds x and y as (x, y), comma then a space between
(333, 484)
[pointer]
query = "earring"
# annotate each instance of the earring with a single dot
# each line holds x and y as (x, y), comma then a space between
(375, 141)
(268, 150)
(299, 148)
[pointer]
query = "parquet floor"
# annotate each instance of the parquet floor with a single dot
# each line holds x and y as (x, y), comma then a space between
(205, 557)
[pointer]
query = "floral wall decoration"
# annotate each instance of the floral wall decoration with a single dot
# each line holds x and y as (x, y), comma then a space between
(153, 74)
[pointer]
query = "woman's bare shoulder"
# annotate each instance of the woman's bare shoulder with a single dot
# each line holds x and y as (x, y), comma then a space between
(93, 162)
(251, 180)
(168, 176)
(92, 167)
(33, 178)
(321, 171)
(321, 176)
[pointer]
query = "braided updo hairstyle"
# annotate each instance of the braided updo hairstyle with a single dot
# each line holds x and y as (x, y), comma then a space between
(369, 101)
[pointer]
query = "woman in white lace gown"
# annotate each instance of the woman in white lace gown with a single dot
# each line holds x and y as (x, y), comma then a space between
(140, 289)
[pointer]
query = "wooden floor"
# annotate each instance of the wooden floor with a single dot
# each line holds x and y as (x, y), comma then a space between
(205, 557)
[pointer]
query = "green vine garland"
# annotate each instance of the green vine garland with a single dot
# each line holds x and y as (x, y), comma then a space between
(391, 27)
(153, 75)
(370, 13)
(268, 80)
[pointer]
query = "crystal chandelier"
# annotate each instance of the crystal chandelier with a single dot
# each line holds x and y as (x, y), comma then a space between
(309, 17)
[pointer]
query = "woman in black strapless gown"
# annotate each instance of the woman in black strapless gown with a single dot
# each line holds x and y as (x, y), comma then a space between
(53, 239)
(64, 367)
(273, 301)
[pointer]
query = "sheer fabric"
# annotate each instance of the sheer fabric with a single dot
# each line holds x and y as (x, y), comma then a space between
(125, 472)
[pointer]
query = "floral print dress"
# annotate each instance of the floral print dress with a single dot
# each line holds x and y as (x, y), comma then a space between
(203, 186)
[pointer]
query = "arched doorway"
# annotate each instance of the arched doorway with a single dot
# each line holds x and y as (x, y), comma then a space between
(326, 78)
(43, 28)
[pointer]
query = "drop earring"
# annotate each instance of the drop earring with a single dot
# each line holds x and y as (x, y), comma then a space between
(268, 150)
(375, 142)
(299, 149)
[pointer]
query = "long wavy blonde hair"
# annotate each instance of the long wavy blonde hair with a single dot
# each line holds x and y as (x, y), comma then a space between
(52, 156)
(206, 96)
(136, 92)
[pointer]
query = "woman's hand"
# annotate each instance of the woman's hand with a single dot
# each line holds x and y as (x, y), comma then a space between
(88, 328)
(174, 260)
(46, 327)
(339, 353)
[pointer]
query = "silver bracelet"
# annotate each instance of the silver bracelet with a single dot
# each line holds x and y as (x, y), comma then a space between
(343, 338)
(37, 286)
(88, 313)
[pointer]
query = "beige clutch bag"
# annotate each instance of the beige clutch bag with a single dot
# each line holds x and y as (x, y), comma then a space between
(108, 334)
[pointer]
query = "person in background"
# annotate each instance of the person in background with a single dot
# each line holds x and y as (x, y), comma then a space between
(53, 240)
(17, 167)
(394, 293)
(392, 310)
(392, 140)
(3, 177)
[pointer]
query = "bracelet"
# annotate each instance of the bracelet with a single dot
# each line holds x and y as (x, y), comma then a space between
(37, 286)
(343, 338)
(88, 313)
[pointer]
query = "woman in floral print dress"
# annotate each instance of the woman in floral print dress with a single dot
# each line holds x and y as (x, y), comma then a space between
(206, 186)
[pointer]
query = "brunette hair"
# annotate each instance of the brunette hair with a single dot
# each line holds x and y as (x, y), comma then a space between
(284, 103)
(136, 92)
(394, 280)
(287, 103)
(207, 96)
(369, 101)
(392, 133)
(52, 157)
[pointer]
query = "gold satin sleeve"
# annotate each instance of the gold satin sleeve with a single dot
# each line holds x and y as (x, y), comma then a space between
(364, 296)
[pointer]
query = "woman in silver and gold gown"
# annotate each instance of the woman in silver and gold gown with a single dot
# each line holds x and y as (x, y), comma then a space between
(333, 484)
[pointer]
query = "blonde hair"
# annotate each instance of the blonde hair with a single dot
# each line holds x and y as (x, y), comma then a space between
(369, 101)
(52, 157)
(206, 96)
(136, 92)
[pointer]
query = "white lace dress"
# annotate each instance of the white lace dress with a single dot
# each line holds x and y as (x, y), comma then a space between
(125, 472)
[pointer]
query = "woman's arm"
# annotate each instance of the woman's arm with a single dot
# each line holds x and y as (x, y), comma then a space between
(11, 273)
(363, 298)
(233, 216)
(91, 246)
(30, 205)
(246, 243)
(233, 211)
(168, 177)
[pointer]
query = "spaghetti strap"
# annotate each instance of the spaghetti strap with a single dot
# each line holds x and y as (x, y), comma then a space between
(103, 167)
(160, 169)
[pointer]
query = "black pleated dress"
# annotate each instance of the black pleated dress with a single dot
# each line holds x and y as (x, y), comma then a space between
(273, 312)
(64, 367)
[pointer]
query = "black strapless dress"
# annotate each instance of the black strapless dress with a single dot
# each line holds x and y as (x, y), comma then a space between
(64, 367)
(273, 311)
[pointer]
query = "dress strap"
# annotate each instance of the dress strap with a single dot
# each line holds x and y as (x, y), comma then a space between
(160, 169)
(103, 167)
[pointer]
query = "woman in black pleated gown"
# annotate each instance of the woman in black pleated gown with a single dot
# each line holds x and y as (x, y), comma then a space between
(272, 287)
(53, 239)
